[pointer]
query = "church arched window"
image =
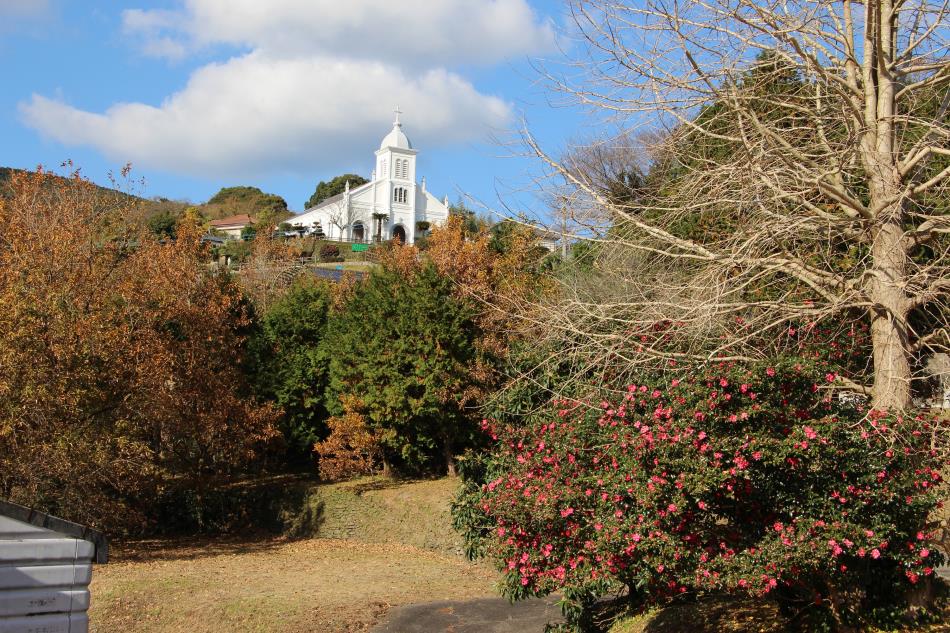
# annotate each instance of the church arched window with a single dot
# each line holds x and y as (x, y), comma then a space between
(400, 195)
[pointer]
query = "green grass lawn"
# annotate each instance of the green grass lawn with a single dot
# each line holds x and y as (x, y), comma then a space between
(356, 266)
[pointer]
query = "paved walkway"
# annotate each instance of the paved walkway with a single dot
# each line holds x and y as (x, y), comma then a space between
(488, 615)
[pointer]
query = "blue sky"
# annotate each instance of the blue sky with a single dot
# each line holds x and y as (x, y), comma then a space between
(201, 94)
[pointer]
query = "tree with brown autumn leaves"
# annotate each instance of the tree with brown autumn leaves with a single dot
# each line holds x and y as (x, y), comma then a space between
(119, 357)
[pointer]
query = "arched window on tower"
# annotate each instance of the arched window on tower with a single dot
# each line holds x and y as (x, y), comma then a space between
(400, 195)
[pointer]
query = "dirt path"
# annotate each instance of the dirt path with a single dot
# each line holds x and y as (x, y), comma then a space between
(273, 585)
(484, 615)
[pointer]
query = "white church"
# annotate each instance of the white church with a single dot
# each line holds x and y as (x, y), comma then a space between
(390, 206)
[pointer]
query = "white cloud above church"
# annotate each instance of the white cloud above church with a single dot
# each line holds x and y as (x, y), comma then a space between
(407, 32)
(308, 83)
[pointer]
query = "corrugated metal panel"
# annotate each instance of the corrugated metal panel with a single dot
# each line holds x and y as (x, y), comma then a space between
(45, 570)
(22, 602)
(54, 623)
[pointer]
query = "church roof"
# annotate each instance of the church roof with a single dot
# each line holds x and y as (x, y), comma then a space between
(396, 138)
(327, 201)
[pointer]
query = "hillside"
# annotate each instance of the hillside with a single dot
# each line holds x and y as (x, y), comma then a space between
(227, 202)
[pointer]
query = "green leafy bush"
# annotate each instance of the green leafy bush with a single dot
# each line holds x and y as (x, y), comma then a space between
(290, 364)
(405, 346)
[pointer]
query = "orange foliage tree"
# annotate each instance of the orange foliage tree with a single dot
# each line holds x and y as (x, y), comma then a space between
(352, 447)
(119, 357)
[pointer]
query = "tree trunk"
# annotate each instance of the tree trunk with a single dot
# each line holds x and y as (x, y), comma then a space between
(889, 336)
(889, 253)
(449, 457)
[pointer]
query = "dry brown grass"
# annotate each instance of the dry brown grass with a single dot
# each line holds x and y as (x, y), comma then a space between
(278, 585)
(382, 544)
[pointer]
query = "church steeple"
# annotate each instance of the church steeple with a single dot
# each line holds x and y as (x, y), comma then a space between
(396, 138)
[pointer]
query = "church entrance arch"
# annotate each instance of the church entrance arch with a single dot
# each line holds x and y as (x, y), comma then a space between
(399, 233)
(359, 232)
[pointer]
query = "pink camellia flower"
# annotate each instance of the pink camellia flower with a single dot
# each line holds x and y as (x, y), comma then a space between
(830, 377)
(770, 371)
(924, 553)
(810, 433)
(675, 382)
(566, 512)
(875, 553)
(501, 531)
(723, 382)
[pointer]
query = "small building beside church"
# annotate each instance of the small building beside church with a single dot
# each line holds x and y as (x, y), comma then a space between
(232, 226)
(391, 206)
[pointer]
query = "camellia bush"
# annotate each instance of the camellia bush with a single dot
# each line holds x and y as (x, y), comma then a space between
(743, 480)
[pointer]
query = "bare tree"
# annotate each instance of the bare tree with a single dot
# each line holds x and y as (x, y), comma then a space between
(817, 128)
(343, 216)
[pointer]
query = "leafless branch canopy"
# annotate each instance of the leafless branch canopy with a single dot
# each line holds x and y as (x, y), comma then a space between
(799, 159)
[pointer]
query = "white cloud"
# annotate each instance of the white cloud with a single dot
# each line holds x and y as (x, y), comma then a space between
(263, 113)
(404, 32)
(311, 85)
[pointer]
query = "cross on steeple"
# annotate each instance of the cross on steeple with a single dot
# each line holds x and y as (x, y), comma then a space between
(398, 112)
